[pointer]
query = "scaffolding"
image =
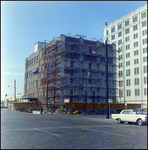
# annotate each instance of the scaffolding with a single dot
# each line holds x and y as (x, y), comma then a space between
(74, 69)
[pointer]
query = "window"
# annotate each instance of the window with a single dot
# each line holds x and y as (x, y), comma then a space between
(34, 83)
(144, 32)
(135, 27)
(33, 95)
(119, 57)
(120, 65)
(119, 34)
(30, 62)
(145, 50)
(127, 63)
(144, 69)
(127, 31)
(120, 49)
(136, 70)
(143, 23)
(129, 112)
(128, 92)
(135, 52)
(106, 32)
(120, 93)
(145, 59)
(119, 26)
(145, 91)
(136, 61)
(145, 80)
(136, 81)
(127, 39)
(39, 62)
(135, 44)
(135, 35)
(119, 42)
(127, 72)
(127, 55)
(128, 82)
(143, 15)
(126, 22)
(120, 73)
(136, 92)
(37, 59)
(120, 83)
(112, 29)
(113, 37)
(123, 112)
(127, 46)
(134, 19)
(144, 41)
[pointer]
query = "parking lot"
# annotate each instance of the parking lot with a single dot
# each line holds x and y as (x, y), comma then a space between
(35, 131)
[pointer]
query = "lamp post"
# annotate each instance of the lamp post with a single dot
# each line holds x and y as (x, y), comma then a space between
(107, 117)
(14, 89)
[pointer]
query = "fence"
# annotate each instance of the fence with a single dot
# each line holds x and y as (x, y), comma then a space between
(100, 106)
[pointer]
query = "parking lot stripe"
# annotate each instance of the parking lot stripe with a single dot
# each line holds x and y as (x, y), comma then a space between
(46, 131)
(105, 132)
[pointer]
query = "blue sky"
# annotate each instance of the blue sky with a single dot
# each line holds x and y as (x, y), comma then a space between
(23, 23)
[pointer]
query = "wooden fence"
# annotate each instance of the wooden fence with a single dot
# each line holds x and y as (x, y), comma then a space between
(100, 106)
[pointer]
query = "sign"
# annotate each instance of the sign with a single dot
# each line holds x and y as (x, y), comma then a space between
(110, 100)
(66, 100)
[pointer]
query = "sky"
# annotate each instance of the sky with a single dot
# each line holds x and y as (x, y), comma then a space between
(23, 23)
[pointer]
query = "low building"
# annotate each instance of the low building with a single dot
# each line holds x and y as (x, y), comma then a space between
(9, 100)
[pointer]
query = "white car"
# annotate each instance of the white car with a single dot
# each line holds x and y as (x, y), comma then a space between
(131, 115)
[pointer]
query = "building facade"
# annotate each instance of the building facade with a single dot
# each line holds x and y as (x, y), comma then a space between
(129, 33)
(72, 68)
(9, 100)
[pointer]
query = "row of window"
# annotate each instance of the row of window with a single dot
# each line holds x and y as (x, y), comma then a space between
(32, 95)
(135, 27)
(128, 92)
(136, 82)
(137, 92)
(32, 61)
(31, 85)
(144, 41)
(136, 71)
(135, 54)
(30, 74)
(144, 32)
(136, 61)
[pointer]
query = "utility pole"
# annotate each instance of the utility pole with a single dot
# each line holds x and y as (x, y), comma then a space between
(47, 85)
(107, 117)
(15, 90)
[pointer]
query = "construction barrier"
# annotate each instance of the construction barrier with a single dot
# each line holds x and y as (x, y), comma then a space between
(100, 106)
(27, 106)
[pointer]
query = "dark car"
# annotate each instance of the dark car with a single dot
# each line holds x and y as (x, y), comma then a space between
(143, 110)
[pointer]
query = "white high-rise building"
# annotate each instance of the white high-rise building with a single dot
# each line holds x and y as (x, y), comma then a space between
(129, 33)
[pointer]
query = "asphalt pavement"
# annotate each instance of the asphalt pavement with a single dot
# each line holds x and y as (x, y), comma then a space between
(35, 131)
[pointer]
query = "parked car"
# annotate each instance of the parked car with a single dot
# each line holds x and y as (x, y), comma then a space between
(130, 115)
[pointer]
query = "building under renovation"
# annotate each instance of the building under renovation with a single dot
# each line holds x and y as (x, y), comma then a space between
(72, 68)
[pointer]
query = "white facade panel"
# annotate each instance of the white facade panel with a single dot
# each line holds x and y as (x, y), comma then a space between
(134, 38)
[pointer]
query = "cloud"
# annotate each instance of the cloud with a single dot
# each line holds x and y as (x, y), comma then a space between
(12, 73)
(13, 65)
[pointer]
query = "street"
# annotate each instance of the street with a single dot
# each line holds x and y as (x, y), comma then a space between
(35, 131)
